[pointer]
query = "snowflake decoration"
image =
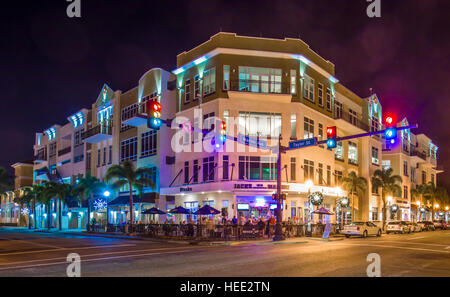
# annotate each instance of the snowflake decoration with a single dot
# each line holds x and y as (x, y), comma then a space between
(24, 211)
(100, 204)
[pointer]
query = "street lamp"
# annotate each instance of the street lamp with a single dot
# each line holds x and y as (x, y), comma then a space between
(436, 206)
(106, 193)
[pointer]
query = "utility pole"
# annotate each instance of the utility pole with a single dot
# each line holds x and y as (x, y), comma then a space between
(278, 229)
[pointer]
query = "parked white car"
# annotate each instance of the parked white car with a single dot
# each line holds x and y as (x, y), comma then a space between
(398, 227)
(363, 229)
(415, 227)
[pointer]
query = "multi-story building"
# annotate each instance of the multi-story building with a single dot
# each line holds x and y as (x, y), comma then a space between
(266, 88)
(262, 89)
(414, 158)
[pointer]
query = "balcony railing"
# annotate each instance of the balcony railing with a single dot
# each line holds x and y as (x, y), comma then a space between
(352, 119)
(40, 157)
(97, 134)
(418, 154)
(64, 151)
(259, 86)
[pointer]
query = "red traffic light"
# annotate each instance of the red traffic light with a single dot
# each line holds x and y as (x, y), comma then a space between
(331, 132)
(155, 106)
(223, 126)
(389, 120)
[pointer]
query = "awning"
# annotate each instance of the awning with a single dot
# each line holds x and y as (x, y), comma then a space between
(125, 200)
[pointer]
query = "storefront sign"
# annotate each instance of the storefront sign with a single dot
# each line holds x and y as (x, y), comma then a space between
(255, 186)
(187, 189)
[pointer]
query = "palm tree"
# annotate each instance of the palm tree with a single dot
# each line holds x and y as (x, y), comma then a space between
(86, 188)
(46, 196)
(354, 184)
(419, 192)
(62, 191)
(389, 184)
(136, 179)
(435, 195)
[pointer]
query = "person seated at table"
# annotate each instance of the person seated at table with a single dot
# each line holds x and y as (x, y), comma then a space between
(234, 221)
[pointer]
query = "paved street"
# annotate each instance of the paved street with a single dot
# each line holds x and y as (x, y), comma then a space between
(24, 253)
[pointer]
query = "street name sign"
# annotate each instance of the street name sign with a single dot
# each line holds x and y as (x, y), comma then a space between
(252, 141)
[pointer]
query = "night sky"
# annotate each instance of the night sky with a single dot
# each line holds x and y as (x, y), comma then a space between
(51, 65)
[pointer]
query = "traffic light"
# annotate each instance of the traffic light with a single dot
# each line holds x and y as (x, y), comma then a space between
(390, 133)
(154, 115)
(223, 132)
(331, 137)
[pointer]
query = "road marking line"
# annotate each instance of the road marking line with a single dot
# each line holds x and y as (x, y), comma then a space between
(34, 243)
(69, 248)
(447, 248)
(89, 260)
(97, 254)
(416, 238)
(402, 242)
(400, 247)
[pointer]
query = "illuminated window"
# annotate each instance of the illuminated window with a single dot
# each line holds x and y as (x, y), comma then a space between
(328, 99)
(293, 81)
(226, 77)
(308, 170)
(308, 128)
(375, 159)
(293, 126)
(339, 151)
(209, 81)
(259, 124)
(148, 143)
(197, 87)
(308, 88)
(352, 153)
(128, 149)
(259, 80)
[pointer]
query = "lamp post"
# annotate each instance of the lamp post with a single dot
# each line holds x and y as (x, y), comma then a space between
(309, 184)
(278, 229)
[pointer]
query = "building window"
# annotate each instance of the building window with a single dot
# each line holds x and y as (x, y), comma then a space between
(432, 179)
(197, 87)
(339, 151)
(293, 169)
(259, 80)
(413, 175)
(196, 171)
(374, 214)
(337, 177)
(293, 125)
(98, 158)
(353, 117)
(320, 94)
(424, 177)
(375, 159)
(187, 91)
(128, 149)
(308, 90)
(405, 168)
(338, 109)
(225, 167)
(308, 128)
(308, 170)
(259, 124)
(104, 155)
(226, 77)
(148, 143)
(88, 161)
(52, 149)
(375, 125)
(328, 99)
(209, 81)
(405, 192)
(186, 172)
(320, 174)
(293, 82)
(208, 169)
(352, 153)
(110, 155)
(77, 138)
(257, 168)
